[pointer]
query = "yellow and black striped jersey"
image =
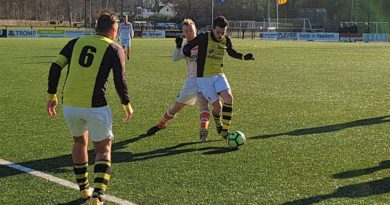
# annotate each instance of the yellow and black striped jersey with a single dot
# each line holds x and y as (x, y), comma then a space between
(210, 53)
(90, 60)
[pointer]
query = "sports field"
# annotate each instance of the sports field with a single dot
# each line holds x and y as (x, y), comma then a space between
(316, 116)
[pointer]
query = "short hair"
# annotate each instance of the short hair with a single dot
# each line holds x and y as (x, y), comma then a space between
(106, 21)
(220, 21)
(188, 22)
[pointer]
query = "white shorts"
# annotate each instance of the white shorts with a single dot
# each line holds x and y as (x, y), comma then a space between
(98, 122)
(189, 93)
(212, 86)
(125, 42)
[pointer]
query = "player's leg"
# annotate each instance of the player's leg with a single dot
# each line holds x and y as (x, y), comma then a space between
(204, 117)
(187, 96)
(127, 53)
(168, 115)
(100, 127)
(227, 111)
(80, 149)
(79, 153)
(80, 164)
(207, 87)
(216, 112)
(126, 46)
(223, 88)
(102, 168)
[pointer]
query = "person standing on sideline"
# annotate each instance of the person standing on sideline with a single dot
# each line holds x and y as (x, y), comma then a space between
(90, 60)
(212, 81)
(126, 33)
(190, 91)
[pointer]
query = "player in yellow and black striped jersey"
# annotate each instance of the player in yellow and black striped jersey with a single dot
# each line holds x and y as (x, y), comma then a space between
(210, 76)
(90, 59)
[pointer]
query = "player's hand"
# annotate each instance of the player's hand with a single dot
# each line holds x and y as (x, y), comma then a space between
(179, 41)
(128, 112)
(51, 107)
(249, 56)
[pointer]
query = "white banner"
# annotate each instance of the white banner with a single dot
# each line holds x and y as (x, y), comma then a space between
(287, 36)
(375, 37)
(78, 33)
(22, 33)
(269, 35)
(153, 34)
(279, 36)
(329, 37)
(51, 33)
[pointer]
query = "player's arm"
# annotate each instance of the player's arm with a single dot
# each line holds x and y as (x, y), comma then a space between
(177, 54)
(200, 40)
(131, 31)
(55, 74)
(233, 53)
(178, 51)
(229, 49)
(119, 74)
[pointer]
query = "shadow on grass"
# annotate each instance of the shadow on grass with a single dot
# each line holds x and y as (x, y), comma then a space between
(329, 128)
(119, 157)
(364, 189)
(75, 202)
(63, 164)
(359, 172)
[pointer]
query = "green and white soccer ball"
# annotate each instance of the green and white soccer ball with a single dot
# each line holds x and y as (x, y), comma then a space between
(236, 139)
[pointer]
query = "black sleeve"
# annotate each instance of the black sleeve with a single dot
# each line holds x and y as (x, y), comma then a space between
(233, 53)
(54, 78)
(119, 73)
(68, 49)
(56, 67)
(198, 40)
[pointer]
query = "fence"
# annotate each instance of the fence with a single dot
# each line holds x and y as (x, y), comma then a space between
(365, 27)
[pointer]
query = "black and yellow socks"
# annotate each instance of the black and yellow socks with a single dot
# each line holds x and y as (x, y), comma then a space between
(227, 113)
(81, 172)
(102, 176)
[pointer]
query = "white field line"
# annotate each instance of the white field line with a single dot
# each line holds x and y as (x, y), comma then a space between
(59, 181)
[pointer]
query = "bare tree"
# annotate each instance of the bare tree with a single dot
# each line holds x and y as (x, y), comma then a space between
(199, 10)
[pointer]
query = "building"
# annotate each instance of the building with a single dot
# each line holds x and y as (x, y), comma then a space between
(143, 12)
(168, 9)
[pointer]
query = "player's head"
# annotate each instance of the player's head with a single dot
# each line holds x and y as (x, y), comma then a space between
(189, 29)
(220, 24)
(125, 18)
(107, 24)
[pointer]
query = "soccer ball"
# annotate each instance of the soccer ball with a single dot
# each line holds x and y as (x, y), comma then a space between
(236, 139)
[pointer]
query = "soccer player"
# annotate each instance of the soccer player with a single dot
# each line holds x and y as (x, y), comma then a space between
(190, 91)
(126, 33)
(210, 76)
(90, 60)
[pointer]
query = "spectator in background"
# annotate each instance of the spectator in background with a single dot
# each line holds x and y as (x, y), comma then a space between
(126, 33)
(343, 28)
(367, 28)
(355, 28)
